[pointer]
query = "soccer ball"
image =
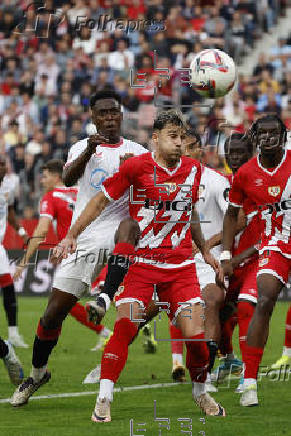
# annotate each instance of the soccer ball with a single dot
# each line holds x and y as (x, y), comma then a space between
(212, 73)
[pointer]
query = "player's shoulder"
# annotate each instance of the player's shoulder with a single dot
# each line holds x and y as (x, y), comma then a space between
(189, 161)
(79, 145)
(134, 147)
(214, 175)
(247, 167)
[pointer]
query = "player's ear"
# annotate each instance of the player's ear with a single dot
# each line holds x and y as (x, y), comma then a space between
(155, 137)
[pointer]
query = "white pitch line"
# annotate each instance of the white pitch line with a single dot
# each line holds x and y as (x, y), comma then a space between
(82, 394)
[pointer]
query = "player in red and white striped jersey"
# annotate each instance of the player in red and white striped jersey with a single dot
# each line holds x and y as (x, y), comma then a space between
(165, 186)
(264, 183)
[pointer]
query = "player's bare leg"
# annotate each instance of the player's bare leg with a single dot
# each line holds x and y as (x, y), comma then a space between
(213, 297)
(126, 237)
(197, 359)
(269, 288)
(115, 356)
(48, 331)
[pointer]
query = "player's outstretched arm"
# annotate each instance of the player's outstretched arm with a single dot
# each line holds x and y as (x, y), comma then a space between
(68, 245)
(75, 170)
(229, 227)
(37, 238)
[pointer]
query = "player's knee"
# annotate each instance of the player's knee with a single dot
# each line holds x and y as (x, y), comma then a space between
(265, 305)
(53, 316)
(213, 297)
(128, 231)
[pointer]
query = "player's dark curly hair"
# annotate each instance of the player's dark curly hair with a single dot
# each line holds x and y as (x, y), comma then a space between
(168, 117)
(271, 117)
(239, 137)
(104, 93)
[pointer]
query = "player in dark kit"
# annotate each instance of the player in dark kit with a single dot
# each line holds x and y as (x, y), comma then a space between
(167, 219)
(264, 182)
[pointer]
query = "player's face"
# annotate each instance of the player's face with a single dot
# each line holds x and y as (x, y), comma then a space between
(169, 143)
(107, 117)
(48, 180)
(269, 137)
(192, 147)
(236, 154)
(3, 168)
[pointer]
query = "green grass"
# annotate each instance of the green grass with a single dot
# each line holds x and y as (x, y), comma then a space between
(72, 360)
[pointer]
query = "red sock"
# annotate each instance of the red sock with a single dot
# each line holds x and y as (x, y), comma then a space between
(288, 329)
(251, 356)
(116, 351)
(124, 248)
(80, 314)
(175, 333)
(197, 358)
(225, 346)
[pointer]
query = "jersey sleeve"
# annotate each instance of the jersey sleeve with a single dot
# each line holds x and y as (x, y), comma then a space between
(236, 193)
(46, 207)
(196, 184)
(75, 151)
(114, 187)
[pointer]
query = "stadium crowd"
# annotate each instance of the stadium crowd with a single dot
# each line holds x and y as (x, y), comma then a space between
(53, 59)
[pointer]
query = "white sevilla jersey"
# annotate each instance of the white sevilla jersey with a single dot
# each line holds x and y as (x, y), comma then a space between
(212, 204)
(161, 201)
(269, 192)
(102, 164)
(6, 199)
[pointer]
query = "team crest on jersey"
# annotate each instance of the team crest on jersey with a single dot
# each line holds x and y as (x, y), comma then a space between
(263, 261)
(119, 291)
(171, 187)
(274, 190)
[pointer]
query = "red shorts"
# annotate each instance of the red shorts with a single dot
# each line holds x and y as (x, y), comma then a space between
(274, 263)
(173, 286)
(5, 280)
(243, 283)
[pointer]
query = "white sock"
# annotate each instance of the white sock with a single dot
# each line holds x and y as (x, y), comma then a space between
(177, 358)
(198, 389)
(106, 389)
(208, 378)
(13, 330)
(106, 299)
(38, 373)
(286, 351)
(249, 381)
(105, 332)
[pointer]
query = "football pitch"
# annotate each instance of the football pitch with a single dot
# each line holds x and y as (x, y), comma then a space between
(72, 359)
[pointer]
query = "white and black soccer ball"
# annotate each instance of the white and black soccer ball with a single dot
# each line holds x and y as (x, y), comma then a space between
(213, 73)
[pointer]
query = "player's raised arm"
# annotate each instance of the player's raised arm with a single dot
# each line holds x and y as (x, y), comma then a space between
(93, 209)
(74, 170)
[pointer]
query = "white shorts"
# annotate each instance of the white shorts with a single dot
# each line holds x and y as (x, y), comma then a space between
(76, 273)
(205, 273)
(4, 262)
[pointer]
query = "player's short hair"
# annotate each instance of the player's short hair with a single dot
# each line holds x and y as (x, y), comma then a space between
(168, 117)
(54, 166)
(239, 137)
(104, 93)
(266, 118)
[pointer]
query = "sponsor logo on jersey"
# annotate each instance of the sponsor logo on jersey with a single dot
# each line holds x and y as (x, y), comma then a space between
(98, 176)
(274, 190)
(98, 155)
(259, 182)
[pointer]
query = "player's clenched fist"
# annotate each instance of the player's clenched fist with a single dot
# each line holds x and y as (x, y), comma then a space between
(95, 140)
(61, 251)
